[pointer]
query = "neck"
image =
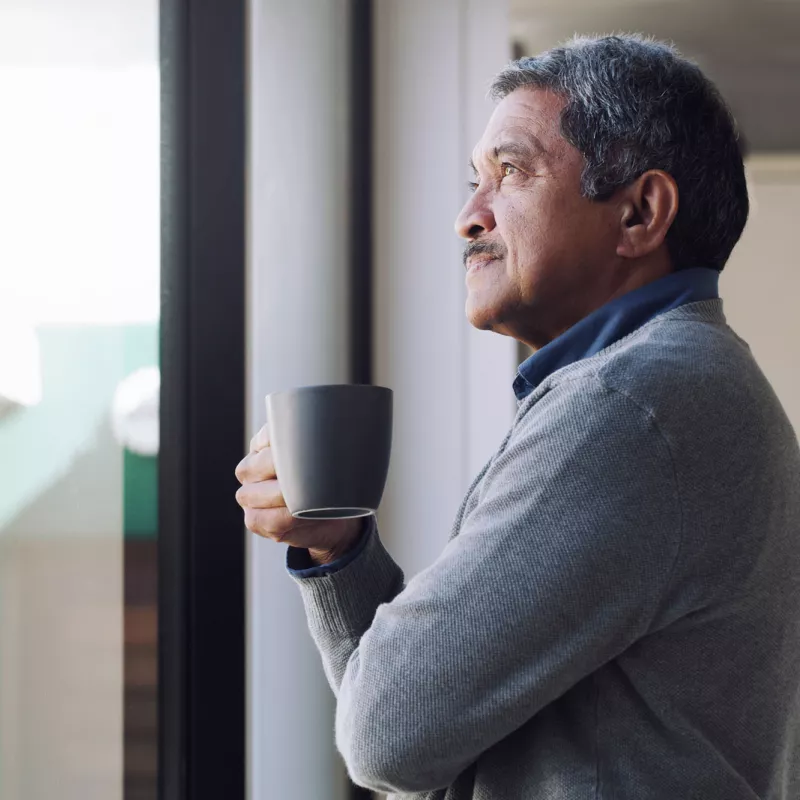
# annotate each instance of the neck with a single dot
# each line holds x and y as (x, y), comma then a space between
(613, 283)
(635, 279)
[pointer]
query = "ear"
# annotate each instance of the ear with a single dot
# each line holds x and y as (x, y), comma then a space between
(647, 209)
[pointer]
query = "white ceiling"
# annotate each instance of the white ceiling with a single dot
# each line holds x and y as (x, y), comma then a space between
(750, 48)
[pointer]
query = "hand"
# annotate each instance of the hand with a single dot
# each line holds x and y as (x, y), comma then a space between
(265, 511)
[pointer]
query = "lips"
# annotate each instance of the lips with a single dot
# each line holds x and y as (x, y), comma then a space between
(475, 264)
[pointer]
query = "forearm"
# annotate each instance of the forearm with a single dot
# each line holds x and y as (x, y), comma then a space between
(341, 605)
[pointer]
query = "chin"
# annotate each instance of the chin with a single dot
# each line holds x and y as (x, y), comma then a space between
(482, 317)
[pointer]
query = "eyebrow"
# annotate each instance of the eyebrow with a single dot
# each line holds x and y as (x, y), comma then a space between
(519, 149)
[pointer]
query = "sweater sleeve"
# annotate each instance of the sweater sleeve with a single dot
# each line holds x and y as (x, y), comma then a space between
(559, 568)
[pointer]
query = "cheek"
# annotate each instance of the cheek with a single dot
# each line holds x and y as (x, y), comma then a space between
(532, 229)
(550, 229)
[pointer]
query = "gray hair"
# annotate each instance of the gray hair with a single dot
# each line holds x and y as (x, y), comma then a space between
(634, 104)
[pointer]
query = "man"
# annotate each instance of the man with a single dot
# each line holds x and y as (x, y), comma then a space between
(617, 613)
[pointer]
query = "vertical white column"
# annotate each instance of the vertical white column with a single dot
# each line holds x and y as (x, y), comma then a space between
(297, 334)
(453, 396)
(419, 337)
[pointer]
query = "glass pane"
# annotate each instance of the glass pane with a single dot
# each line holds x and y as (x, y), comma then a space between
(79, 382)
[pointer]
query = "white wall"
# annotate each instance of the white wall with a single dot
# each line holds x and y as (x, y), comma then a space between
(453, 396)
(297, 334)
(760, 285)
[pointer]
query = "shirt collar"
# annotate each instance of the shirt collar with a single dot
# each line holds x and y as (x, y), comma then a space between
(613, 321)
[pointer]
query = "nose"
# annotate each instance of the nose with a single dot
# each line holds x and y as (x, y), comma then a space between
(476, 218)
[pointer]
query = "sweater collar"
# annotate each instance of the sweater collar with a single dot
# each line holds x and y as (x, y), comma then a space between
(613, 321)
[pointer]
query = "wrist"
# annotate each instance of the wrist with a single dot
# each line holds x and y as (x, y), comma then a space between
(346, 541)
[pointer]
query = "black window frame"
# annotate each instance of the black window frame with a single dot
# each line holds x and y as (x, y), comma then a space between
(202, 635)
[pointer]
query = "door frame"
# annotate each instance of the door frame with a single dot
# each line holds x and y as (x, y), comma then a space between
(202, 421)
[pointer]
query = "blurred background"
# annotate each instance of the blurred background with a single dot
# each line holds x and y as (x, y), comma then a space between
(204, 202)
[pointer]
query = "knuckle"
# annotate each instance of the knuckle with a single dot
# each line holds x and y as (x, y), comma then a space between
(260, 521)
(254, 522)
(241, 470)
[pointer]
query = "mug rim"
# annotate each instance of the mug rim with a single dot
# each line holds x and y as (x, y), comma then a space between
(362, 512)
(319, 387)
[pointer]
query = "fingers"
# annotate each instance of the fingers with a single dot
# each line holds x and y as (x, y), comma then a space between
(257, 466)
(271, 523)
(260, 440)
(264, 494)
(265, 511)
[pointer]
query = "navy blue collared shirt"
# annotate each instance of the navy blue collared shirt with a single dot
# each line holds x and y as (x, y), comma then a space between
(613, 321)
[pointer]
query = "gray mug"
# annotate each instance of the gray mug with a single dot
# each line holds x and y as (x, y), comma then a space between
(331, 447)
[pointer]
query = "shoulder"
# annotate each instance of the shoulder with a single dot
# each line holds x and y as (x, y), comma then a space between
(677, 356)
(586, 416)
(684, 372)
(691, 384)
(661, 382)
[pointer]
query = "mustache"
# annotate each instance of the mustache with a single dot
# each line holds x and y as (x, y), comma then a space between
(476, 248)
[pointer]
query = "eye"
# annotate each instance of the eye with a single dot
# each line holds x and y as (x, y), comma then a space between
(508, 169)
(472, 186)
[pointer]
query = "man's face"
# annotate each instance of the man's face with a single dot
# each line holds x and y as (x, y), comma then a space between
(539, 255)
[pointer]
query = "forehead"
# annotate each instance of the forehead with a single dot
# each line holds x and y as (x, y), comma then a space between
(527, 115)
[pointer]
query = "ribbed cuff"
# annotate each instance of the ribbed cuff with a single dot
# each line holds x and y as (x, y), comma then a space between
(344, 602)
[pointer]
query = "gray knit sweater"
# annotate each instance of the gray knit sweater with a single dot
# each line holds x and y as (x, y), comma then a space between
(617, 612)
